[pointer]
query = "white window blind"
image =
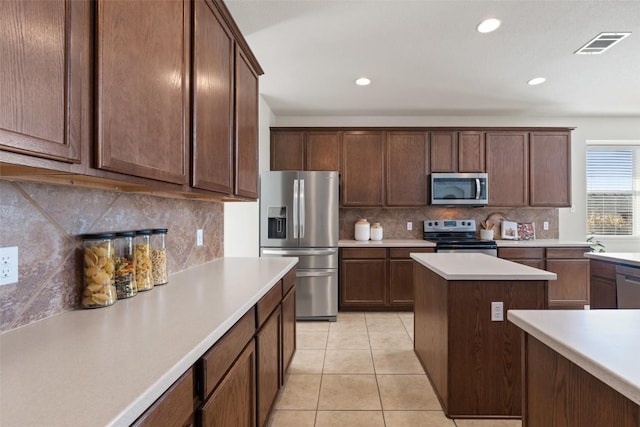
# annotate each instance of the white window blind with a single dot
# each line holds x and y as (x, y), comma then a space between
(613, 190)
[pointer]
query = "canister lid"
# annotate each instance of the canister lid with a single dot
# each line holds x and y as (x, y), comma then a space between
(145, 232)
(98, 236)
(126, 234)
(159, 231)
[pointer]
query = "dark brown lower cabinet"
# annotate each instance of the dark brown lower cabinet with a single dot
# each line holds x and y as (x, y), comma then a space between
(604, 290)
(232, 404)
(268, 365)
(288, 330)
(377, 278)
(236, 382)
(175, 407)
(571, 289)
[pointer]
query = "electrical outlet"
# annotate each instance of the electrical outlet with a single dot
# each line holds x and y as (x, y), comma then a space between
(8, 265)
(497, 311)
(409, 226)
(545, 225)
(199, 237)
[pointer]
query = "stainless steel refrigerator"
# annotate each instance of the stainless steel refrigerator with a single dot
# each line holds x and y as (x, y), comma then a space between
(299, 217)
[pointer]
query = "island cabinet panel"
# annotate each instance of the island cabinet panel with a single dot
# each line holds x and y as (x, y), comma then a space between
(142, 62)
(507, 162)
(44, 78)
(212, 139)
(603, 287)
(550, 169)
(323, 151)
(233, 403)
(407, 169)
(443, 151)
(246, 127)
(175, 407)
(431, 329)
(474, 363)
(287, 151)
(557, 392)
(363, 160)
(571, 289)
(471, 151)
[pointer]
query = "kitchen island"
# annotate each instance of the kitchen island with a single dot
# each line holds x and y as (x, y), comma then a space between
(107, 366)
(473, 363)
(580, 367)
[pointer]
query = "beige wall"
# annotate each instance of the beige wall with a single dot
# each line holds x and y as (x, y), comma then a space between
(45, 222)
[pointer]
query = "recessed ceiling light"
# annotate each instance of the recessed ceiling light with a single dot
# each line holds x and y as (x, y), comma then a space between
(488, 25)
(363, 81)
(536, 81)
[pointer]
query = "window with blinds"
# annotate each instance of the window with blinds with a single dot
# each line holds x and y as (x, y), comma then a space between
(613, 190)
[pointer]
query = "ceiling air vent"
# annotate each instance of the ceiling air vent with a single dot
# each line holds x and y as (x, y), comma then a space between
(601, 43)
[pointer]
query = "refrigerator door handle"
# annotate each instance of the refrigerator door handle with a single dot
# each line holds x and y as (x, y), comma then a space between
(302, 209)
(315, 273)
(295, 208)
(301, 252)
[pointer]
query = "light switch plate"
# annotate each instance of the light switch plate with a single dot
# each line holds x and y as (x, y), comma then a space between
(8, 265)
(409, 226)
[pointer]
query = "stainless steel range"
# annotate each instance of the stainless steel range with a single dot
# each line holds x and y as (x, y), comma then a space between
(457, 235)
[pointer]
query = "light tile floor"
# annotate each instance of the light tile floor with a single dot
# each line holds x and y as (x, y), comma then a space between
(361, 371)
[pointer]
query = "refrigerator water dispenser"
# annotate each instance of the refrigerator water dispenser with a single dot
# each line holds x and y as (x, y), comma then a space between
(277, 222)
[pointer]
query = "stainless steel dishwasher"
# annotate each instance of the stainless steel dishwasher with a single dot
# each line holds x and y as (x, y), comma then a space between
(628, 284)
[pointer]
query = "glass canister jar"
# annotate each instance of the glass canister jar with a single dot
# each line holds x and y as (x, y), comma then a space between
(98, 271)
(125, 265)
(159, 256)
(144, 279)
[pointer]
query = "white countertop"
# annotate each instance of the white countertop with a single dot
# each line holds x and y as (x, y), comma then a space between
(477, 266)
(409, 243)
(106, 366)
(387, 243)
(541, 243)
(629, 258)
(605, 343)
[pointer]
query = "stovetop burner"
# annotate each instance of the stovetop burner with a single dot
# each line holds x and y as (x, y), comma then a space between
(456, 233)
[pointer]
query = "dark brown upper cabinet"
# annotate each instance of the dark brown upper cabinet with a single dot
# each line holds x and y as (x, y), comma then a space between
(142, 60)
(246, 127)
(213, 73)
(305, 150)
(407, 156)
(550, 169)
(508, 168)
(457, 151)
(45, 78)
(363, 164)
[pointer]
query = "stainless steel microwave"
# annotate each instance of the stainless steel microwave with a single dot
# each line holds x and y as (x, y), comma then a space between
(470, 189)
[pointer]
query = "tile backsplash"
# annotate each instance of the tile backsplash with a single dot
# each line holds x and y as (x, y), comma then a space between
(394, 220)
(45, 222)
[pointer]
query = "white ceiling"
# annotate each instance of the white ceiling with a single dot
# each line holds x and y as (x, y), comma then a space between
(426, 58)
